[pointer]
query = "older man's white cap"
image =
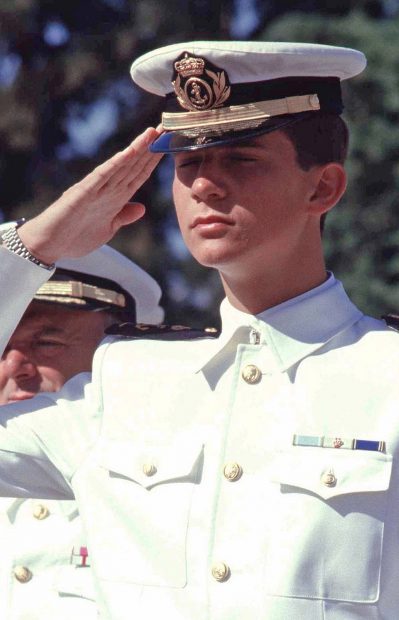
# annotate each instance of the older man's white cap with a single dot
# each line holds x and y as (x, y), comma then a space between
(103, 280)
(224, 91)
(110, 280)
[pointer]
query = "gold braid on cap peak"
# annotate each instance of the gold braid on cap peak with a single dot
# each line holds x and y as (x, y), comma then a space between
(76, 292)
(232, 115)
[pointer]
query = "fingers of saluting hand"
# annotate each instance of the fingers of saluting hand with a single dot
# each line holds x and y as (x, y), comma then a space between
(131, 212)
(90, 212)
(137, 175)
(135, 162)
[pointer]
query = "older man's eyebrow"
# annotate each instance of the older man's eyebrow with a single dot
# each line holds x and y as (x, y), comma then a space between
(51, 331)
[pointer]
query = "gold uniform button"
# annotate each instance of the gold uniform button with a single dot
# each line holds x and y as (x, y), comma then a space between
(149, 469)
(251, 374)
(232, 471)
(40, 512)
(220, 571)
(329, 479)
(22, 574)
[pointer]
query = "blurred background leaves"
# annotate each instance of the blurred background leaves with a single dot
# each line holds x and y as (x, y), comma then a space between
(67, 102)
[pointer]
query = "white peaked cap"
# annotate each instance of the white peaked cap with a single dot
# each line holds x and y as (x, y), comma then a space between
(105, 262)
(249, 61)
(220, 92)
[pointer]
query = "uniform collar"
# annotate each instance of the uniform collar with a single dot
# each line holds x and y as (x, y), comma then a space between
(293, 330)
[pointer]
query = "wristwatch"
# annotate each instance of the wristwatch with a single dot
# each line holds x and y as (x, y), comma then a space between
(11, 240)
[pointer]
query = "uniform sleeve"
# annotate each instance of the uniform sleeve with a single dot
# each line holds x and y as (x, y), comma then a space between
(44, 440)
(19, 281)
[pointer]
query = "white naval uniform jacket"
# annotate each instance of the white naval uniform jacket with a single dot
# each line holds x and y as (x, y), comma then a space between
(152, 450)
(42, 573)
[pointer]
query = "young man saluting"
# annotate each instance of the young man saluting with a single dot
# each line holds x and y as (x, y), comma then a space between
(251, 476)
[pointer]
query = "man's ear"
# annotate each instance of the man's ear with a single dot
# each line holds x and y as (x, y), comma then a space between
(329, 186)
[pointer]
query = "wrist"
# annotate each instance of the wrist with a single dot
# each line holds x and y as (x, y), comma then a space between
(11, 240)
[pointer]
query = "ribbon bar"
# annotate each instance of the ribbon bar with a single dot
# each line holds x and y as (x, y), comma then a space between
(340, 443)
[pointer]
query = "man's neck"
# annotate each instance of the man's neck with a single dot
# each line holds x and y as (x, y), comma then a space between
(266, 288)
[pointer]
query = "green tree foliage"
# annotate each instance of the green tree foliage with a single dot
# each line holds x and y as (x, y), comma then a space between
(362, 232)
(64, 68)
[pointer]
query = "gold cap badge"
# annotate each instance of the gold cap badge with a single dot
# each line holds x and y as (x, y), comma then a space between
(198, 84)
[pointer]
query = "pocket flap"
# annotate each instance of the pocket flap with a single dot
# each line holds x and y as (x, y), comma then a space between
(330, 472)
(75, 581)
(151, 464)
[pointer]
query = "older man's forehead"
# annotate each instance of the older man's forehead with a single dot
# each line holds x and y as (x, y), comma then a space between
(50, 311)
(49, 317)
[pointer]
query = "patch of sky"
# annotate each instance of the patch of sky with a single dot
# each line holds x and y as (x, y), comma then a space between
(117, 5)
(87, 127)
(202, 297)
(165, 171)
(179, 290)
(174, 240)
(55, 33)
(125, 93)
(391, 7)
(245, 18)
(9, 67)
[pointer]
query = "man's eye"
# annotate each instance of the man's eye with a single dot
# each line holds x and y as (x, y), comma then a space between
(242, 158)
(48, 343)
(187, 162)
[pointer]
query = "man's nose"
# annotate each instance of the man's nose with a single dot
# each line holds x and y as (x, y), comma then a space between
(208, 184)
(18, 364)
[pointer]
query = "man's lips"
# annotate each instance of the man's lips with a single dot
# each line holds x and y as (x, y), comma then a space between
(211, 221)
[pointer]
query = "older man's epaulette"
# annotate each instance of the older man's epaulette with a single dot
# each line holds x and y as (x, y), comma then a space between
(392, 320)
(160, 332)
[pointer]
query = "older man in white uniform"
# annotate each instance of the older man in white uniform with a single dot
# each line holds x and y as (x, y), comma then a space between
(44, 564)
(253, 476)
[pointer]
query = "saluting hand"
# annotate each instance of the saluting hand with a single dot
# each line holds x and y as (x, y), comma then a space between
(90, 212)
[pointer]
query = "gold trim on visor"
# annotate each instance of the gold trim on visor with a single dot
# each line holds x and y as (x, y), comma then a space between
(72, 291)
(172, 121)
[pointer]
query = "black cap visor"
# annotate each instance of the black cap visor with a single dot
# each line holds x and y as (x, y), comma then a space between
(192, 140)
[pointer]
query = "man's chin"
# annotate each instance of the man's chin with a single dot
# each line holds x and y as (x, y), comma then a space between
(19, 397)
(215, 259)
(213, 252)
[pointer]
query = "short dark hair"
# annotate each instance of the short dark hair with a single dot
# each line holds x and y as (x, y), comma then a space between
(319, 139)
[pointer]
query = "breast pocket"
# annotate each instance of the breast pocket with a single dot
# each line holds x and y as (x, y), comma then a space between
(326, 541)
(151, 487)
(75, 581)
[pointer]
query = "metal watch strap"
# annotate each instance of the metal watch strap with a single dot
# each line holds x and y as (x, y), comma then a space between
(11, 240)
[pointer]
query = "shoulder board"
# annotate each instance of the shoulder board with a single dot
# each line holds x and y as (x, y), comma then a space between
(392, 320)
(161, 332)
